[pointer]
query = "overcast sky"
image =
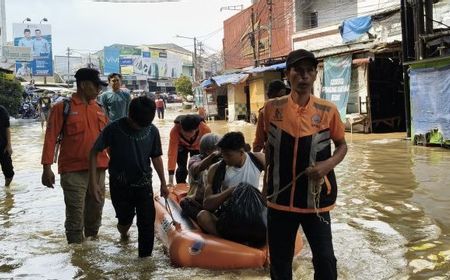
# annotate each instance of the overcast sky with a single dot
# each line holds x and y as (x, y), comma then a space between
(89, 26)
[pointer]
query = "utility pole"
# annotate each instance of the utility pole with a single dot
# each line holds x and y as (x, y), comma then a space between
(2, 27)
(195, 60)
(429, 16)
(253, 39)
(419, 29)
(68, 65)
(270, 3)
(195, 74)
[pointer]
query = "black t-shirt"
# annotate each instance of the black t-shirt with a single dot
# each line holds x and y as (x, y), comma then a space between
(130, 151)
(4, 124)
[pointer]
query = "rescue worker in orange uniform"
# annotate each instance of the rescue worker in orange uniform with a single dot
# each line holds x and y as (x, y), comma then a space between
(184, 141)
(300, 184)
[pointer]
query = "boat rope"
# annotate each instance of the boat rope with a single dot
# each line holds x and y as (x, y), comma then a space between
(169, 210)
(316, 192)
(288, 185)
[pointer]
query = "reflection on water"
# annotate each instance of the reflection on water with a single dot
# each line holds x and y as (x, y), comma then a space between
(391, 219)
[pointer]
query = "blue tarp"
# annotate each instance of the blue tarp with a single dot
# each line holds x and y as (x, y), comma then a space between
(430, 100)
(229, 79)
(206, 83)
(354, 28)
(261, 69)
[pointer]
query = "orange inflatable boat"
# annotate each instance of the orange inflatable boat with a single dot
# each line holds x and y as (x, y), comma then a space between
(188, 246)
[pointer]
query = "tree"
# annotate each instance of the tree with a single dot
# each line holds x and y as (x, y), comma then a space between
(10, 94)
(183, 86)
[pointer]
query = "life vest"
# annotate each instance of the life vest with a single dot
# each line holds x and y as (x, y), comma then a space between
(298, 137)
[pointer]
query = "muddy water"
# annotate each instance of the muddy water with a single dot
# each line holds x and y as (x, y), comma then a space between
(391, 221)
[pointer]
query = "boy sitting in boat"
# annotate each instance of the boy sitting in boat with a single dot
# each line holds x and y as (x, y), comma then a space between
(237, 167)
(198, 165)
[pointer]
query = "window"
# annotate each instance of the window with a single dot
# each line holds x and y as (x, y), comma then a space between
(313, 21)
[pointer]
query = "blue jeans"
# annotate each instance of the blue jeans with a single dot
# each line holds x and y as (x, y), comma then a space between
(282, 230)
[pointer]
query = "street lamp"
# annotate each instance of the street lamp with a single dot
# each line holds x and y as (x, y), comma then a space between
(195, 54)
(26, 19)
(43, 20)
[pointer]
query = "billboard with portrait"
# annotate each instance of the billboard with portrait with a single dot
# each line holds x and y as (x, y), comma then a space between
(38, 38)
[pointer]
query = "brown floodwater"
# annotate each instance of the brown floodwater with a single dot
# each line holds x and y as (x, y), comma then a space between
(391, 219)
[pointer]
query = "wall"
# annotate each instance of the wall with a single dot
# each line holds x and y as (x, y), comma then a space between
(331, 14)
(236, 100)
(258, 87)
(238, 53)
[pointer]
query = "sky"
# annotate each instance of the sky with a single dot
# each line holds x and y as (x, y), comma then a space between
(88, 26)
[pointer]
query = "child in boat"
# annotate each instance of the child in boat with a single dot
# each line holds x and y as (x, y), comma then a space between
(198, 165)
(131, 142)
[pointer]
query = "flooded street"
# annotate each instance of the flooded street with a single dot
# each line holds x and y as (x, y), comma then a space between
(391, 219)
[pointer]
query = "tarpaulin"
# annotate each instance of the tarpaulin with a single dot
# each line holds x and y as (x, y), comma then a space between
(336, 81)
(354, 28)
(430, 100)
(261, 69)
(206, 83)
(229, 79)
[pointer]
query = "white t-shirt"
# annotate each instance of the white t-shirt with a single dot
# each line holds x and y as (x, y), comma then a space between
(248, 173)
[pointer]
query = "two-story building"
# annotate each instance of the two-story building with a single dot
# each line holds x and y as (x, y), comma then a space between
(369, 33)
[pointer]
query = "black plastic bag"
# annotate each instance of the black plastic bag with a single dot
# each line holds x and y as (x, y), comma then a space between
(243, 217)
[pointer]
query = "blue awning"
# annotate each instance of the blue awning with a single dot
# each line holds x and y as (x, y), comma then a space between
(352, 29)
(206, 83)
(261, 69)
(229, 79)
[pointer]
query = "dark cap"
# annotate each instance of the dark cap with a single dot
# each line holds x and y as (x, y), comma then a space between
(300, 54)
(89, 74)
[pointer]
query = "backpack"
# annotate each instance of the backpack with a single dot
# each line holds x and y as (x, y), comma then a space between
(66, 112)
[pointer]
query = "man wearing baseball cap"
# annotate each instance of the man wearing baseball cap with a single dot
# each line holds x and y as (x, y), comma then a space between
(301, 185)
(74, 125)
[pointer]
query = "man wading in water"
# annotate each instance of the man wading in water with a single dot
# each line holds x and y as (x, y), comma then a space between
(301, 185)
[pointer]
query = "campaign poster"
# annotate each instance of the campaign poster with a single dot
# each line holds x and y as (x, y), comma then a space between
(38, 38)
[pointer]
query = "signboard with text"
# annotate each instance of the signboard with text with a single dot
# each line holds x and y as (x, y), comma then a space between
(18, 53)
(38, 38)
(336, 81)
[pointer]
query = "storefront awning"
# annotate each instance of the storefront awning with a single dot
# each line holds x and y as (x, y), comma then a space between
(230, 79)
(261, 69)
(221, 80)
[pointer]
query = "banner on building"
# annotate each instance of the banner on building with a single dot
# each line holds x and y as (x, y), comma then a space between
(111, 60)
(38, 38)
(336, 81)
(153, 63)
(430, 101)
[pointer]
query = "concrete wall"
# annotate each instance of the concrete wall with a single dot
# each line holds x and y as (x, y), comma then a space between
(236, 100)
(331, 14)
(258, 87)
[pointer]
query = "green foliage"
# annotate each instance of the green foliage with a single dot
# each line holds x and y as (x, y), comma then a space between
(183, 86)
(10, 95)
